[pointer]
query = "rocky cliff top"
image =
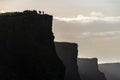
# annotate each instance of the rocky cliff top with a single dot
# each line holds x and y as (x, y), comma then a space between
(27, 50)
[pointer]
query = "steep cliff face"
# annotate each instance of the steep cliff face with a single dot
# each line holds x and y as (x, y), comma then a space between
(27, 50)
(111, 70)
(88, 69)
(68, 54)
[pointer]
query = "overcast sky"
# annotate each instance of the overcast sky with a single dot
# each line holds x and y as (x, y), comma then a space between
(93, 24)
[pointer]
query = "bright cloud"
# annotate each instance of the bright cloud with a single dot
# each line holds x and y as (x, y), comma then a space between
(93, 17)
(101, 34)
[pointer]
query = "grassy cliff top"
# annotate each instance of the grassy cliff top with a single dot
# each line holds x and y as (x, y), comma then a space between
(26, 12)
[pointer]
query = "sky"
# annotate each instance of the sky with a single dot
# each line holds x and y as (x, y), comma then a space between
(92, 24)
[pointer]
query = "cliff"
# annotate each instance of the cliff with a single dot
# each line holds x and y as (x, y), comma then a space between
(78, 68)
(111, 70)
(68, 54)
(27, 50)
(88, 69)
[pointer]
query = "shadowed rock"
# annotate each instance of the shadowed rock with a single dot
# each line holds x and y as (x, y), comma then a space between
(88, 69)
(111, 70)
(27, 50)
(68, 54)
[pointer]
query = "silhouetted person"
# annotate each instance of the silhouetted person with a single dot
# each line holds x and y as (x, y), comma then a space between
(43, 12)
(39, 12)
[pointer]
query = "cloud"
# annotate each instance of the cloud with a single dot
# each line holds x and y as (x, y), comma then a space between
(93, 17)
(101, 34)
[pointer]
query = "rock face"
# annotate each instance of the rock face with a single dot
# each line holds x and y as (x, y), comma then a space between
(88, 69)
(68, 54)
(27, 50)
(111, 70)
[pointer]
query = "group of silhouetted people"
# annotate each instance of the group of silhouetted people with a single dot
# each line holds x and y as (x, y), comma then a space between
(34, 12)
(41, 12)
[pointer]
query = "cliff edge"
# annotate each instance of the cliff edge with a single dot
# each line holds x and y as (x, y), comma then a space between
(27, 50)
(68, 53)
(88, 69)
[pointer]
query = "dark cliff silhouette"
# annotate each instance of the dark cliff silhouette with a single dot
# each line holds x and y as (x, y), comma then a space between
(68, 54)
(27, 50)
(88, 69)
(111, 70)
